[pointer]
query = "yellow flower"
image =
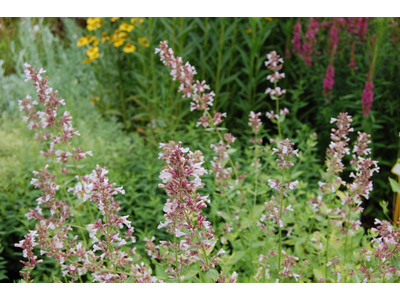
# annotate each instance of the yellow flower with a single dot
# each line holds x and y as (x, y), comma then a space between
(248, 30)
(134, 20)
(113, 19)
(118, 42)
(105, 37)
(94, 40)
(94, 100)
(129, 48)
(269, 19)
(120, 34)
(83, 41)
(143, 41)
(126, 27)
(93, 23)
(118, 38)
(87, 60)
(93, 53)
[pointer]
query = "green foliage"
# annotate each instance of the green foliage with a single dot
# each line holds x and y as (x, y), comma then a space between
(139, 107)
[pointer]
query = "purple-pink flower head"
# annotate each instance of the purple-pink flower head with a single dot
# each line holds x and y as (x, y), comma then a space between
(296, 41)
(333, 36)
(255, 121)
(329, 80)
(274, 61)
(367, 97)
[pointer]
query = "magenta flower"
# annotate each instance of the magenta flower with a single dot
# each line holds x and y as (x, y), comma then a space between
(329, 80)
(367, 97)
(310, 41)
(296, 41)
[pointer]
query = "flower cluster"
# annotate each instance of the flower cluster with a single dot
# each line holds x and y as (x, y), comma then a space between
(367, 97)
(62, 125)
(190, 88)
(183, 209)
(275, 64)
(296, 41)
(255, 121)
(201, 101)
(328, 81)
(222, 278)
(385, 247)
(27, 245)
(276, 209)
(333, 39)
(118, 38)
(222, 174)
(310, 41)
(339, 143)
(54, 217)
(361, 186)
(358, 26)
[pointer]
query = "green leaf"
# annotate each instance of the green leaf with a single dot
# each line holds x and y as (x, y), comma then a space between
(318, 273)
(395, 185)
(129, 280)
(213, 274)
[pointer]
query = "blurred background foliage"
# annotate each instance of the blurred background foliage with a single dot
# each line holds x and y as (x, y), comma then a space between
(124, 103)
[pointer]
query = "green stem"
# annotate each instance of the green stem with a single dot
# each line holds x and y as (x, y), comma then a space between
(277, 112)
(280, 228)
(78, 219)
(327, 246)
(257, 171)
(232, 164)
(345, 245)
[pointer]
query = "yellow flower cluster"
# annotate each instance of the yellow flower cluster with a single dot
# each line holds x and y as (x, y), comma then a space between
(137, 20)
(87, 40)
(118, 38)
(93, 23)
(92, 53)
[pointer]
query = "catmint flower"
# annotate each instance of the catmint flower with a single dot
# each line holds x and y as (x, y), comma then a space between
(229, 138)
(53, 216)
(277, 91)
(271, 115)
(183, 209)
(274, 63)
(255, 121)
(284, 111)
(275, 76)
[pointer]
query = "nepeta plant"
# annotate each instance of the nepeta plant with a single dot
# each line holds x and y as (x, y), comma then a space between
(56, 225)
(183, 211)
(301, 233)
